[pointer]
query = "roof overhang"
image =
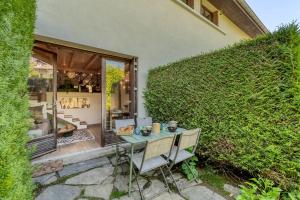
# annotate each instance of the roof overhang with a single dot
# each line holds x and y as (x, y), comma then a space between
(240, 13)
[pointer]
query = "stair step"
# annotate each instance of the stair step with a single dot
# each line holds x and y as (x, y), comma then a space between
(75, 120)
(83, 123)
(68, 116)
(82, 127)
(60, 112)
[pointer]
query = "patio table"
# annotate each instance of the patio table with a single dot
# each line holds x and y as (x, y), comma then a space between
(138, 139)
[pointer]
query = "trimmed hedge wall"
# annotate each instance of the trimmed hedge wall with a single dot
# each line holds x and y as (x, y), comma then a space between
(16, 28)
(245, 98)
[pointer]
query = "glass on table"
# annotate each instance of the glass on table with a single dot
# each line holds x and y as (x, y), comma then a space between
(137, 130)
(163, 126)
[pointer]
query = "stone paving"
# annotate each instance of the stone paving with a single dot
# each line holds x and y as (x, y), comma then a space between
(94, 179)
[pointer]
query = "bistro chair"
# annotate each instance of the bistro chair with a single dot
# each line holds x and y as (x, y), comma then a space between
(187, 139)
(151, 159)
(143, 121)
(121, 123)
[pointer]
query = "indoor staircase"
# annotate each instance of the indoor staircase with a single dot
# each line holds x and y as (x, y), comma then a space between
(61, 116)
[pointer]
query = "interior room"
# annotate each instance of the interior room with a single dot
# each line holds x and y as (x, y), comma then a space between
(65, 87)
(71, 78)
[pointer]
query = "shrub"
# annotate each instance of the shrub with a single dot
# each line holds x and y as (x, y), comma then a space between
(16, 28)
(245, 98)
(259, 189)
(190, 168)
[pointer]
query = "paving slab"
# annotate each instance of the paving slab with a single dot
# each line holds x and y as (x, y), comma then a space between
(121, 183)
(142, 183)
(92, 177)
(99, 191)
(135, 195)
(183, 183)
(216, 196)
(108, 180)
(122, 160)
(168, 196)
(156, 188)
(201, 193)
(83, 166)
(47, 167)
(126, 197)
(45, 179)
(175, 196)
(234, 191)
(176, 176)
(60, 192)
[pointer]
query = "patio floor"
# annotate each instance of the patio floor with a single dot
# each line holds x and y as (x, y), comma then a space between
(94, 179)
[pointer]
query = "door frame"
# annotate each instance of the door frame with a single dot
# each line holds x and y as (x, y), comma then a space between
(48, 143)
(133, 64)
(105, 54)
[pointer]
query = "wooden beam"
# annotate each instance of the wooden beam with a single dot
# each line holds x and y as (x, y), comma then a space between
(78, 70)
(72, 61)
(42, 55)
(92, 59)
(46, 47)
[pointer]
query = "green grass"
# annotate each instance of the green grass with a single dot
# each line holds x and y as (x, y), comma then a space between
(117, 194)
(214, 179)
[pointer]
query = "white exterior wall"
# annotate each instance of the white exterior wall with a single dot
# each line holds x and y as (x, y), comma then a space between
(156, 31)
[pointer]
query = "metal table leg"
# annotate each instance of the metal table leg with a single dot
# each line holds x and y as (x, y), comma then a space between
(130, 170)
(117, 160)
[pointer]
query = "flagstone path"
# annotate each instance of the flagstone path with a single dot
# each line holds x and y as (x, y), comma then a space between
(94, 179)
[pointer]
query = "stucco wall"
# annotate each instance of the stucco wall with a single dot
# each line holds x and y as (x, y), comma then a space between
(156, 31)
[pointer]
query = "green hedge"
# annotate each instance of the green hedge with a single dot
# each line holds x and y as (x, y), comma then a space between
(245, 98)
(16, 28)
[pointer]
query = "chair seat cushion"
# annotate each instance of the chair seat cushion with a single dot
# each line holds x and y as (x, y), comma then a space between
(149, 164)
(182, 155)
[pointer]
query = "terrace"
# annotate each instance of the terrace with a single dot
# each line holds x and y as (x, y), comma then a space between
(95, 179)
(237, 108)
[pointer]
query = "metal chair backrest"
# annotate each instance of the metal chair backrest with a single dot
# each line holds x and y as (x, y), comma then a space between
(121, 123)
(145, 121)
(158, 147)
(189, 138)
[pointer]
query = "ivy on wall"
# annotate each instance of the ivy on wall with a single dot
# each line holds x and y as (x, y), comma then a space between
(16, 28)
(246, 99)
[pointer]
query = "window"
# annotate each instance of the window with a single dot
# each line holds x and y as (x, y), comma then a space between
(189, 3)
(211, 16)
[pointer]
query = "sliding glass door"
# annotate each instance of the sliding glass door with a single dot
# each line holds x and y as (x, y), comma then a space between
(42, 103)
(119, 94)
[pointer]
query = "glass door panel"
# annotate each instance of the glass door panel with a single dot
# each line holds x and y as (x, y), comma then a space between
(118, 88)
(41, 106)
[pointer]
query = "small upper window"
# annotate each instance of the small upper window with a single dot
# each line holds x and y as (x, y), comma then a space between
(211, 16)
(189, 3)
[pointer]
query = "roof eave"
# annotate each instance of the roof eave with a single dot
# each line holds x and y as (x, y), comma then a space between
(240, 13)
